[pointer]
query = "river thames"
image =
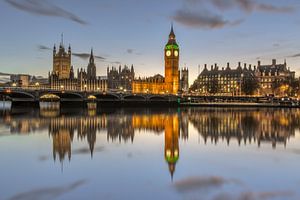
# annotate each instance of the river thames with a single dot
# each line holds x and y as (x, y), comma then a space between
(150, 153)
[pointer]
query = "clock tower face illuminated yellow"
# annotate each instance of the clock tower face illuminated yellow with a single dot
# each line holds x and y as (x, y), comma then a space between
(176, 53)
(168, 53)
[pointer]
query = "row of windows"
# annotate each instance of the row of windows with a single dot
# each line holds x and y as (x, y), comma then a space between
(221, 82)
(222, 76)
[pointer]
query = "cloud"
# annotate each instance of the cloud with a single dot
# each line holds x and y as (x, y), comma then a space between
(201, 19)
(254, 195)
(202, 183)
(271, 8)
(295, 151)
(44, 8)
(48, 193)
(130, 51)
(244, 5)
(86, 56)
(43, 158)
(42, 47)
(295, 55)
(273, 194)
(87, 150)
(115, 62)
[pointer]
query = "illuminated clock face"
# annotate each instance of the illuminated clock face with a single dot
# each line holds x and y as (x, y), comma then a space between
(168, 53)
(176, 53)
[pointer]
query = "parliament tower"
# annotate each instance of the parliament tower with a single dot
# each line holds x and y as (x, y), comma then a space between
(91, 68)
(171, 64)
(62, 61)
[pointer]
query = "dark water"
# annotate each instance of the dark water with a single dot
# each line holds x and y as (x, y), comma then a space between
(186, 153)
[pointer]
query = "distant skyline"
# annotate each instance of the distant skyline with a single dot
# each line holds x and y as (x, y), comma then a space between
(135, 32)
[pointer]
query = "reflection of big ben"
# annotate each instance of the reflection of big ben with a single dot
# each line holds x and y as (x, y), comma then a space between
(171, 64)
(171, 141)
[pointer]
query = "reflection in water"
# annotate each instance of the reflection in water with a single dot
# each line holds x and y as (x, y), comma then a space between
(247, 125)
(273, 126)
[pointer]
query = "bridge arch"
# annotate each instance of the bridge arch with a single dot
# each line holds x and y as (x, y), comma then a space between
(107, 96)
(18, 94)
(157, 98)
(133, 97)
(63, 94)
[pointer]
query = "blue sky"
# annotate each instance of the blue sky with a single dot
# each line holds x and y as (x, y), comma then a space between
(135, 32)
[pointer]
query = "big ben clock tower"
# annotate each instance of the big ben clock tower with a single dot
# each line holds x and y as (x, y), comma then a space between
(171, 64)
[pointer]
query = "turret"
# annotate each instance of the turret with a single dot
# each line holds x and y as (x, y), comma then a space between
(54, 49)
(285, 63)
(92, 60)
(132, 69)
(69, 50)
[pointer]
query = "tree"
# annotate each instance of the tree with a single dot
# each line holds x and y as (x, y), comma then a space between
(249, 85)
(276, 84)
(294, 87)
(288, 86)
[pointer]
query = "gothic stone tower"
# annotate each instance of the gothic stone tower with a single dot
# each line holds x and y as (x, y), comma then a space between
(91, 68)
(62, 62)
(171, 64)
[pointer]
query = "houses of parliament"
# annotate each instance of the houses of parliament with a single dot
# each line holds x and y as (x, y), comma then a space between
(62, 77)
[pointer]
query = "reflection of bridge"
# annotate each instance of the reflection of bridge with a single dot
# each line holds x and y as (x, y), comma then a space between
(26, 96)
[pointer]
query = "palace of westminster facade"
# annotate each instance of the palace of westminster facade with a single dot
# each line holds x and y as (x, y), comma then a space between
(63, 77)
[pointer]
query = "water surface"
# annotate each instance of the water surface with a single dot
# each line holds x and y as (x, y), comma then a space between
(186, 153)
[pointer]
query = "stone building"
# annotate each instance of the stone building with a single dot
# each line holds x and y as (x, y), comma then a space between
(268, 75)
(120, 79)
(224, 81)
(62, 77)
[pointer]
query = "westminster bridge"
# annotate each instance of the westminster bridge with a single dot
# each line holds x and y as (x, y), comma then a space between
(20, 96)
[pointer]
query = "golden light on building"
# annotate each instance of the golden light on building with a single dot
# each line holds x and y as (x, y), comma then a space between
(159, 84)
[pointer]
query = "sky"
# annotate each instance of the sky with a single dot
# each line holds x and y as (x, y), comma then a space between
(135, 32)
